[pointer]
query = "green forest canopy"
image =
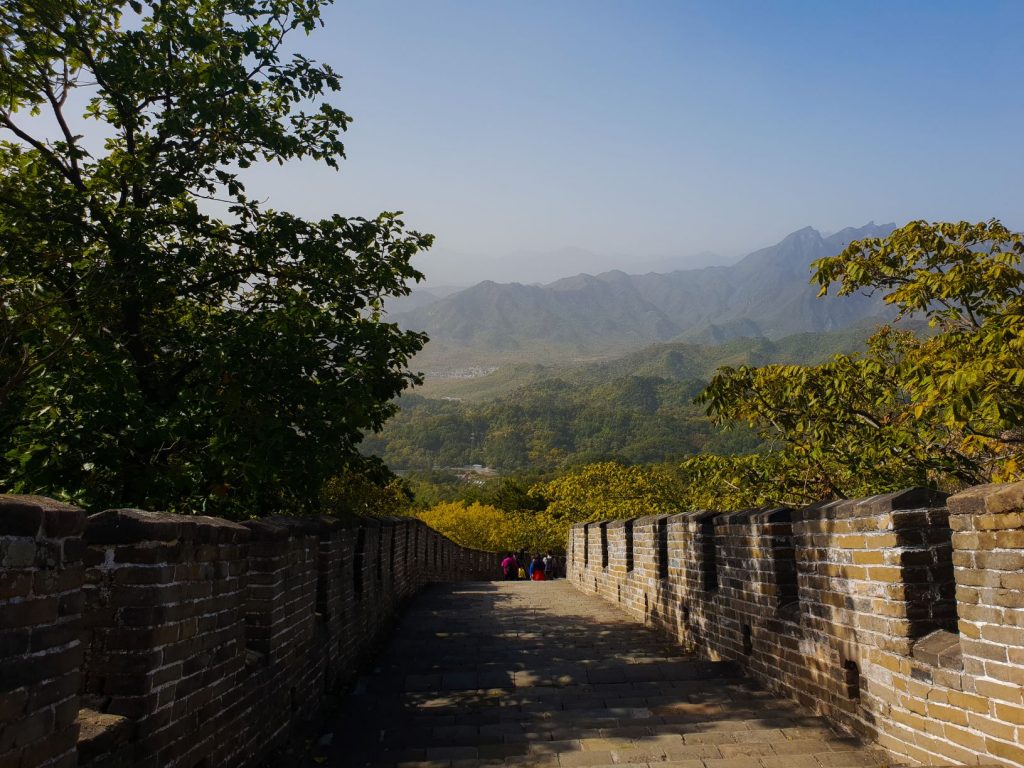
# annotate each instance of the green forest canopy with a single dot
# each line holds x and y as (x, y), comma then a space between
(636, 409)
(151, 353)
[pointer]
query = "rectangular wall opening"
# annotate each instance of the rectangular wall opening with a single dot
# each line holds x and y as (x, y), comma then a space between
(662, 533)
(604, 545)
(586, 545)
(357, 563)
(851, 679)
(627, 529)
(784, 562)
(379, 560)
(709, 555)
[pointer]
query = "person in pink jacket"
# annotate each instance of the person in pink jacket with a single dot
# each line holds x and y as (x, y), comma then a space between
(510, 568)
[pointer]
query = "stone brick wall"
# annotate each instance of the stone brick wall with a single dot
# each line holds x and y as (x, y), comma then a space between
(134, 638)
(40, 610)
(900, 617)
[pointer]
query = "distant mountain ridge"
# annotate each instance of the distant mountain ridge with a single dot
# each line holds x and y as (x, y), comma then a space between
(767, 294)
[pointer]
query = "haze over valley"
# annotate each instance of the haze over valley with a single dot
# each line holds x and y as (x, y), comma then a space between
(591, 317)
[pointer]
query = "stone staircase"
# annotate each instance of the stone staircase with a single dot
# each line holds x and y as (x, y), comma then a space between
(536, 674)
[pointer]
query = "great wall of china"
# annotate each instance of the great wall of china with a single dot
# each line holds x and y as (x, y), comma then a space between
(134, 638)
(146, 639)
(899, 617)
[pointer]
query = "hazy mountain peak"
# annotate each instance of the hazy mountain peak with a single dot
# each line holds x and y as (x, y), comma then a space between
(839, 240)
(806, 233)
(766, 293)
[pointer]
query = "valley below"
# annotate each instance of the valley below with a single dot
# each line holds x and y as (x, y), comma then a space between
(537, 379)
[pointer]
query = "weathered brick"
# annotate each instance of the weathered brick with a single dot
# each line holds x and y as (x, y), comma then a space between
(1009, 713)
(1002, 691)
(1000, 561)
(965, 738)
(946, 714)
(983, 500)
(15, 583)
(1008, 751)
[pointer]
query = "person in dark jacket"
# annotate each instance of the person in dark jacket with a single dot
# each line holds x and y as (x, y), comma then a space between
(549, 566)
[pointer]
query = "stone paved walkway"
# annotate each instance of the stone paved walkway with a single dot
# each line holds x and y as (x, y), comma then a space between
(538, 674)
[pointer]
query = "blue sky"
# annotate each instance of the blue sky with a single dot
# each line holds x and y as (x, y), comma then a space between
(652, 130)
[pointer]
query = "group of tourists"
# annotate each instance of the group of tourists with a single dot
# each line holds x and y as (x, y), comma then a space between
(522, 567)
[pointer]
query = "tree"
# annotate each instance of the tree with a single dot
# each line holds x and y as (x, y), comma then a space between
(611, 490)
(154, 353)
(512, 494)
(944, 409)
(371, 492)
(727, 483)
(482, 526)
(968, 375)
(479, 526)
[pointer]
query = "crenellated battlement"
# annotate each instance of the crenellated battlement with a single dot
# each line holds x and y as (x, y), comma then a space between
(900, 616)
(151, 639)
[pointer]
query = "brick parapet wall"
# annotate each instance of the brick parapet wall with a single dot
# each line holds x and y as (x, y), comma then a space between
(183, 641)
(40, 611)
(895, 616)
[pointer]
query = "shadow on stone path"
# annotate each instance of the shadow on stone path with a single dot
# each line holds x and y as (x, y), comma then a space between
(538, 674)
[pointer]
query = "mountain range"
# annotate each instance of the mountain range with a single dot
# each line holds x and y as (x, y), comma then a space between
(766, 294)
(443, 266)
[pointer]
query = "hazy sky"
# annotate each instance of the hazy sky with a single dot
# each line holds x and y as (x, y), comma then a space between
(645, 130)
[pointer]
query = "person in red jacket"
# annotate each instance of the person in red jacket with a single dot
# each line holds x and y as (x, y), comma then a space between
(537, 568)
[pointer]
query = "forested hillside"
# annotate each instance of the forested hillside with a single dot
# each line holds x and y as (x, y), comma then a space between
(638, 408)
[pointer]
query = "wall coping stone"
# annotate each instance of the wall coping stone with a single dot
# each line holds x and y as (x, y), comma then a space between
(131, 526)
(329, 524)
(645, 519)
(872, 506)
(759, 515)
(991, 499)
(695, 520)
(265, 530)
(681, 516)
(100, 733)
(25, 515)
(296, 526)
